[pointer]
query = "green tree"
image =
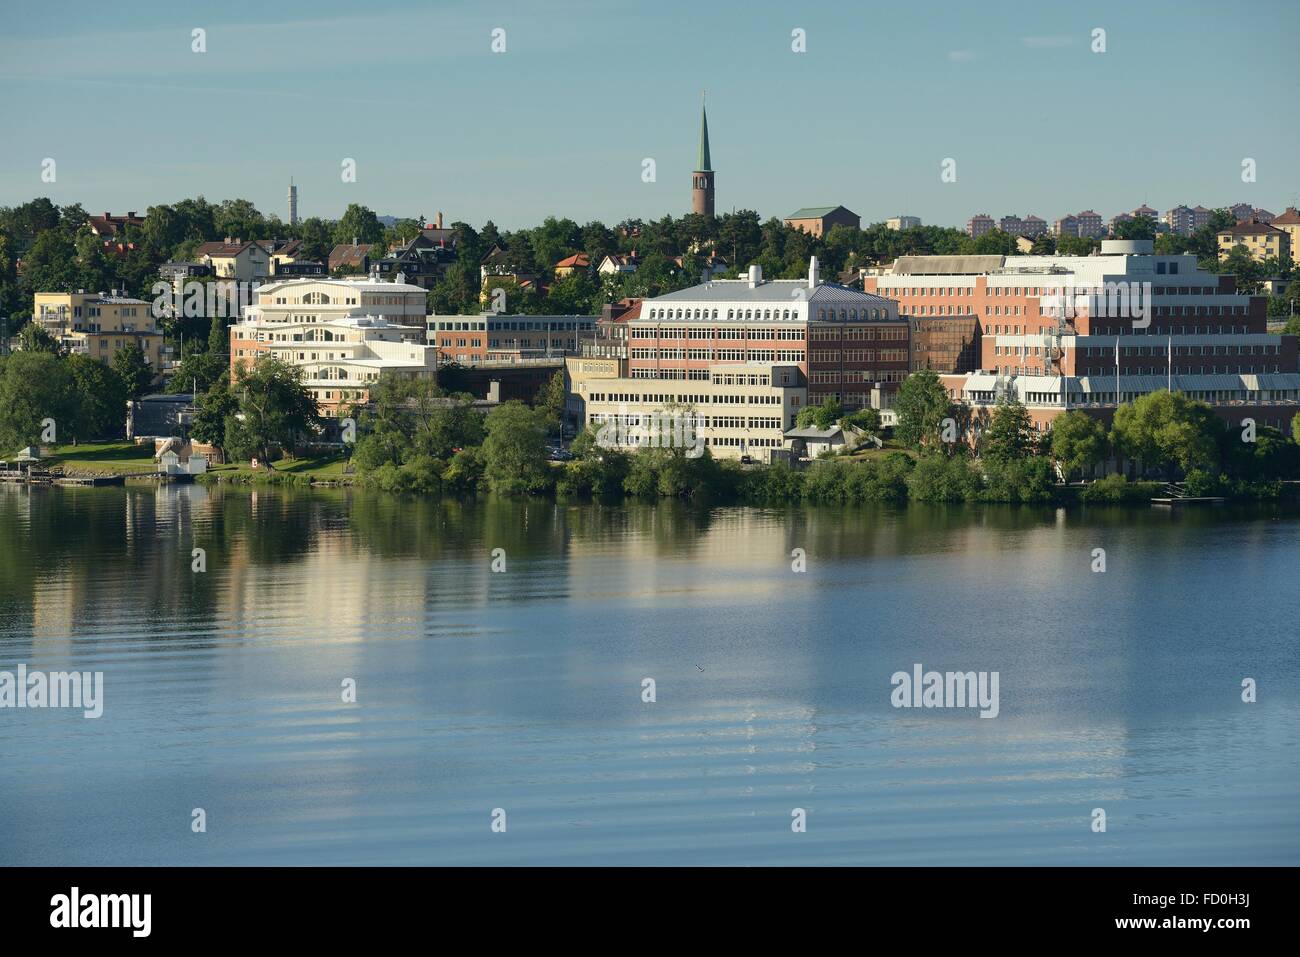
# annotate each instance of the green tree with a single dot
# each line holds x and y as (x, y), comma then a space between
(1010, 434)
(922, 404)
(820, 416)
(1169, 431)
(33, 338)
(552, 397)
(359, 223)
(1078, 442)
(212, 410)
(35, 386)
(514, 451)
(130, 363)
(275, 409)
(101, 399)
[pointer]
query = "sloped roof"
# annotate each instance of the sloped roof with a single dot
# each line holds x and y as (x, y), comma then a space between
(946, 265)
(817, 212)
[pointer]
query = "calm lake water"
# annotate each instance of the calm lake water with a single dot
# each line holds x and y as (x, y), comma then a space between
(522, 690)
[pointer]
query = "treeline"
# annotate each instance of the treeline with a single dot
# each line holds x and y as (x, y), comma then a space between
(417, 440)
(85, 398)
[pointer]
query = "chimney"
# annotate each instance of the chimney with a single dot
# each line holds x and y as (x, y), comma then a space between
(439, 219)
(229, 240)
(354, 241)
(755, 275)
(814, 280)
(131, 214)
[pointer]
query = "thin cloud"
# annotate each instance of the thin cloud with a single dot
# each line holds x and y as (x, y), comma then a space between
(960, 56)
(1058, 40)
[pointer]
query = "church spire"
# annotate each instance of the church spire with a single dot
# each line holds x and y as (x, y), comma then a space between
(703, 164)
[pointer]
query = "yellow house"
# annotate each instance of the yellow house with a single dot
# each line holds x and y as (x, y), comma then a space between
(1289, 223)
(98, 325)
(1261, 240)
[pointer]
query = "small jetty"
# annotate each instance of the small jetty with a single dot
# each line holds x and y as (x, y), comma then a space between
(1176, 496)
(88, 481)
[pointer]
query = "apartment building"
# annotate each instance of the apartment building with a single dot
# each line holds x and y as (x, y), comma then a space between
(979, 224)
(341, 358)
(899, 223)
(1261, 240)
(99, 324)
(845, 341)
(1289, 223)
(344, 332)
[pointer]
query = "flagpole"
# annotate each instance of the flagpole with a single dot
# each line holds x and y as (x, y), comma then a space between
(1117, 373)
(1171, 364)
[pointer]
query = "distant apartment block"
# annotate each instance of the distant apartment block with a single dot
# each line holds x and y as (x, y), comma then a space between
(1091, 225)
(820, 220)
(900, 223)
(1031, 227)
(1065, 226)
(1245, 213)
(979, 224)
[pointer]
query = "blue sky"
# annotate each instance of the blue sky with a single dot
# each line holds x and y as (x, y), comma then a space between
(560, 122)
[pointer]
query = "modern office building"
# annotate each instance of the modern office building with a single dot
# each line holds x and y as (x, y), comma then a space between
(738, 409)
(1071, 320)
(492, 337)
(848, 343)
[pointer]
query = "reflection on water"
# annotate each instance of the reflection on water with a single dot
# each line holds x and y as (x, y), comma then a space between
(522, 690)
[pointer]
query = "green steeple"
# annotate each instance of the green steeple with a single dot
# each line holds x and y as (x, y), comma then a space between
(703, 164)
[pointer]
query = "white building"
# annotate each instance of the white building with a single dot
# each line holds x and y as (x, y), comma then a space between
(344, 334)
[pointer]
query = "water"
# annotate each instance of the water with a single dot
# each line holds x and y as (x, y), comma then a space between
(522, 690)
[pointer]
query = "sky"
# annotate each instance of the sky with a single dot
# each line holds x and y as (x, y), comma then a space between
(562, 121)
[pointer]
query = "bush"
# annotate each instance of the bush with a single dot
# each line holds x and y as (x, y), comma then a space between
(938, 478)
(1114, 489)
(1022, 480)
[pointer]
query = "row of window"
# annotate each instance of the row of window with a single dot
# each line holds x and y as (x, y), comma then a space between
(705, 334)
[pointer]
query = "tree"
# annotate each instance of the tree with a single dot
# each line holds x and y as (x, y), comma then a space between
(51, 264)
(275, 409)
(1009, 436)
(922, 404)
(1078, 442)
(820, 416)
(552, 398)
(1139, 227)
(212, 409)
(360, 224)
(130, 363)
(1169, 431)
(101, 399)
(35, 386)
(33, 338)
(515, 449)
